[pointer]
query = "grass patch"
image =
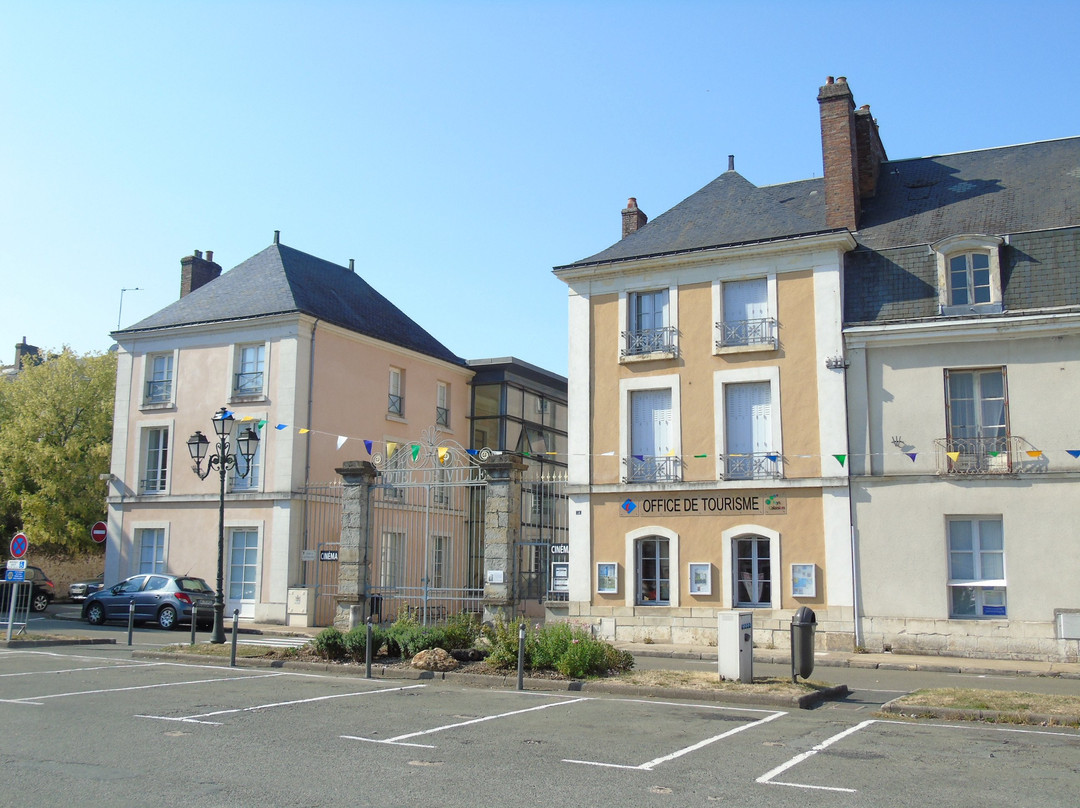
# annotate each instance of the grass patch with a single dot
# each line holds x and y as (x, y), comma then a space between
(700, 680)
(999, 701)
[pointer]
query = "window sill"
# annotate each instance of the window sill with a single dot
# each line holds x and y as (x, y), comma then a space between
(155, 406)
(972, 309)
(648, 357)
(762, 347)
(246, 398)
(397, 419)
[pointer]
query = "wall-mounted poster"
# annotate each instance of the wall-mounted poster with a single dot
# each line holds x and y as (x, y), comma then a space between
(803, 580)
(701, 579)
(560, 576)
(607, 578)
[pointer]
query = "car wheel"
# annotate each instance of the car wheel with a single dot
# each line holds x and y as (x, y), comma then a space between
(95, 614)
(40, 602)
(166, 618)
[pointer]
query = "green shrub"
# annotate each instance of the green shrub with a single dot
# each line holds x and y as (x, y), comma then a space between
(355, 642)
(571, 651)
(460, 631)
(329, 644)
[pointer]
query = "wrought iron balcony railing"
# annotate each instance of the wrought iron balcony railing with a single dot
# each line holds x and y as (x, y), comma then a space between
(996, 455)
(395, 404)
(646, 469)
(158, 391)
(738, 333)
(442, 416)
(250, 383)
(756, 466)
(649, 340)
(154, 484)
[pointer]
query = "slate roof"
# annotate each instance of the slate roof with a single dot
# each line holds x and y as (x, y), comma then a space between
(1033, 186)
(282, 280)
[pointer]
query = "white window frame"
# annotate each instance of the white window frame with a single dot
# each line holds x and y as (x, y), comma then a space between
(718, 314)
(628, 386)
(144, 460)
(392, 560)
(674, 564)
(237, 368)
(442, 405)
(956, 246)
(148, 379)
(721, 380)
(439, 572)
(728, 558)
(395, 389)
(137, 530)
(671, 320)
(254, 481)
(982, 588)
(978, 460)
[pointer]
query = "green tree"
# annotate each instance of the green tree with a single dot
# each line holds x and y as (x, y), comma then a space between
(55, 441)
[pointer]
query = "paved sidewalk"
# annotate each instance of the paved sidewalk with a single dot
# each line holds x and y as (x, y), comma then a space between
(839, 659)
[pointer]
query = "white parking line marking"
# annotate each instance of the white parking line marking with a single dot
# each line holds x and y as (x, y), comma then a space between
(652, 764)
(396, 741)
(193, 719)
(767, 778)
(71, 670)
(36, 700)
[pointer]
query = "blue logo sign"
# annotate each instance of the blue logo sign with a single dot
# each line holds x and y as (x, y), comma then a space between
(629, 506)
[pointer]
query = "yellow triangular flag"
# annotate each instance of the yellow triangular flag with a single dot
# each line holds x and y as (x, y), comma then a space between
(304, 431)
(443, 451)
(953, 456)
(391, 447)
(1035, 453)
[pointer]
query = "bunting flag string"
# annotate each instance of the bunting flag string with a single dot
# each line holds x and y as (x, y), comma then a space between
(443, 452)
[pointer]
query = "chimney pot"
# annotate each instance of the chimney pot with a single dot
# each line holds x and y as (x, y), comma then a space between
(197, 253)
(731, 162)
(841, 79)
(829, 79)
(631, 203)
(277, 236)
(209, 255)
(352, 265)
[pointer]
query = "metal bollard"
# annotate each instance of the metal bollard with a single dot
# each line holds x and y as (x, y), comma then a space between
(11, 608)
(367, 649)
(131, 620)
(521, 656)
(194, 621)
(235, 620)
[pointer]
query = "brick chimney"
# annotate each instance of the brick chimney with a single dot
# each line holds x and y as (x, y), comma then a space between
(870, 151)
(840, 153)
(196, 271)
(24, 352)
(632, 217)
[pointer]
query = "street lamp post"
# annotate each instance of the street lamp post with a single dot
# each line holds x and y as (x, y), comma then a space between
(223, 460)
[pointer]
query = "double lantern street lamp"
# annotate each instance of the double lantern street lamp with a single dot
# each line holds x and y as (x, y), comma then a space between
(197, 444)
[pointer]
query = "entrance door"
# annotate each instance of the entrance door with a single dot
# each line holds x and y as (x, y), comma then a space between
(243, 573)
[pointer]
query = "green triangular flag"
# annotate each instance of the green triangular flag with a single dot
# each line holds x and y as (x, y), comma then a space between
(840, 459)
(415, 451)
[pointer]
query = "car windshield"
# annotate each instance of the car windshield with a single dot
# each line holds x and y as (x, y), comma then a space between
(193, 585)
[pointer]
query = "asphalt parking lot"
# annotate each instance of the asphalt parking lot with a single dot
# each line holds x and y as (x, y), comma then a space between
(92, 723)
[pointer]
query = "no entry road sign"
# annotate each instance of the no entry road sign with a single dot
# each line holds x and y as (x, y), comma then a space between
(98, 532)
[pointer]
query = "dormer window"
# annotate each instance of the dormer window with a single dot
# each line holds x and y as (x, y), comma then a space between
(969, 274)
(969, 279)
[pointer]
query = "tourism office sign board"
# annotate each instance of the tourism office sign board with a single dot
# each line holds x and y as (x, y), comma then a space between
(705, 504)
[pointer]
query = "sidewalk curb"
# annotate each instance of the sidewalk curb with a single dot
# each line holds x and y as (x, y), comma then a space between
(46, 643)
(807, 701)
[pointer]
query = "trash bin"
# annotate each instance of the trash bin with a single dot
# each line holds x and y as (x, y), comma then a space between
(803, 625)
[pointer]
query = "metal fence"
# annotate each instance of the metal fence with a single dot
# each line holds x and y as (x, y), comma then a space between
(17, 594)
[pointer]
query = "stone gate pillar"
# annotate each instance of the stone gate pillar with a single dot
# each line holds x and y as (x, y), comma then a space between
(354, 564)
(502, 532)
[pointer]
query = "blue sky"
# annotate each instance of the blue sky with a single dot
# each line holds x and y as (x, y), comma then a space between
(456, 151)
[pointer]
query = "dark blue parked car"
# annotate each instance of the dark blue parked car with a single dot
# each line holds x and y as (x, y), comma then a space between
(167, 600)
